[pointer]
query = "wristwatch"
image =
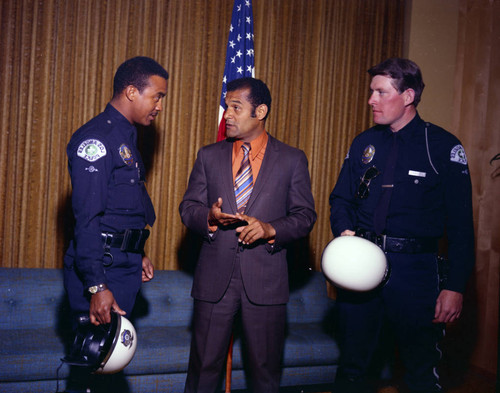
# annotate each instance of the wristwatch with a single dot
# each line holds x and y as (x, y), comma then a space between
(97, 288)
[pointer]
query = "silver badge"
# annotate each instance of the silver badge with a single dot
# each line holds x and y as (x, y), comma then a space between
(368, 154)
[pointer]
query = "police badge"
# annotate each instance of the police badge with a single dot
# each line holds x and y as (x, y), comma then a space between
(126, 154)
(368, 154)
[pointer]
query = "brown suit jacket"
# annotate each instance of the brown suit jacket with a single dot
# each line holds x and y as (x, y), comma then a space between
(281, 196)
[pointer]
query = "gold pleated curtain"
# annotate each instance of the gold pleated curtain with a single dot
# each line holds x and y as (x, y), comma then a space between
(57, 61)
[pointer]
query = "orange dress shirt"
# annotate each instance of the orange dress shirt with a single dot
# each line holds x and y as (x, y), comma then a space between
(256, 155)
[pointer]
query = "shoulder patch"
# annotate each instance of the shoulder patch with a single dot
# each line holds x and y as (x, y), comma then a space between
(91, 150)
(457, 154)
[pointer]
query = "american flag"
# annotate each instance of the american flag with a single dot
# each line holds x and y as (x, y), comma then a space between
(239, 53)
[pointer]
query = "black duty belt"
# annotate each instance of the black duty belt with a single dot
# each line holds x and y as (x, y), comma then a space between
(406, 245)
(131, 240)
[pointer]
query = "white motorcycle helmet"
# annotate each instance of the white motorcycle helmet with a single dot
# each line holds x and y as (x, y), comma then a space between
(105, 349)
(354, 263)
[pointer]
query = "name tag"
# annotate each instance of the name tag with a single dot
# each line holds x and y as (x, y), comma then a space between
(416, 173)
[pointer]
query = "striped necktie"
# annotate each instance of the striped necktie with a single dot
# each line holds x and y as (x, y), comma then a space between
(244, 180)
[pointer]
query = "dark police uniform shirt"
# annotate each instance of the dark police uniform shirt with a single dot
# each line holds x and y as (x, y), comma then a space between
(107, 176)
(432, 190)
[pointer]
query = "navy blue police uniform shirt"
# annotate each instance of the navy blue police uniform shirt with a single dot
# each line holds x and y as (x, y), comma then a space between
(431, 193)
(109, 195)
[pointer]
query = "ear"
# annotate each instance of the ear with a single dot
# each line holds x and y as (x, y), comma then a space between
(131, 92)
(409, 96)
(261, 111)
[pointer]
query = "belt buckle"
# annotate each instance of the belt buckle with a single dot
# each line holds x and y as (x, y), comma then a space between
(130, 238)
(134, 240)
(380, 241)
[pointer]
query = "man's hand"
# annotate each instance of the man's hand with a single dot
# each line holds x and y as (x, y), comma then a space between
(216, 217)
(348, 232)
(147, 269)
(101, 304)
(448, 306)
(255, 230)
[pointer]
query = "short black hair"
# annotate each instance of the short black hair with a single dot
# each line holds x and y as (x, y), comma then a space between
(136, 72)
(259, 92)
(405, 73)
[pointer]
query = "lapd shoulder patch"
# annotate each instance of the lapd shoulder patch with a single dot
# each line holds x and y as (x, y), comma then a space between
(457, 154)
(91, 150)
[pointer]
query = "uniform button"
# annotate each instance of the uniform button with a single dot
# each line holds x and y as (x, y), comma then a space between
(132, 181)
(109, 121)
(416, 181)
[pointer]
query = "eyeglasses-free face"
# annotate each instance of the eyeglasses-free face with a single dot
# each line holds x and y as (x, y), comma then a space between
(363, 188)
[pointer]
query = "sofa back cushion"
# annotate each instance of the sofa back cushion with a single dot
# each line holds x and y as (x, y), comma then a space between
(309, 301)
(165, 301)
(32, 298)
(36, 298)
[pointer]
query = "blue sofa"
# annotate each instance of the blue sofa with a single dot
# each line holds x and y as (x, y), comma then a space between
(35, 334)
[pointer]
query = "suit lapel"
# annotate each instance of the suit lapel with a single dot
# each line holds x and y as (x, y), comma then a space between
(226, 171)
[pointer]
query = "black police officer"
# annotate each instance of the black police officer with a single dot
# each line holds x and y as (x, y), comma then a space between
(105, 262)
(402, 184)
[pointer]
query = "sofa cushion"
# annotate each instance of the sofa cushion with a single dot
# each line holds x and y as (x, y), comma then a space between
(161, 350)
(35, 333)
(308, 298)
(30, 297)
(165, 301)
(30, 354)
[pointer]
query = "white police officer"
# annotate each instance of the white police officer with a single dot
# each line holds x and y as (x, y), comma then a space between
(403, 184)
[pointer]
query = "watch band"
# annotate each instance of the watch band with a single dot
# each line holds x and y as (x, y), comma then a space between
(97, 288)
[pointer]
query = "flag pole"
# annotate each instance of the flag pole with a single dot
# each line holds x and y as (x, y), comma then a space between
(240, 62)
(229, 366)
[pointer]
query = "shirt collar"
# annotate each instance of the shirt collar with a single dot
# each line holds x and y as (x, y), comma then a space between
(117, 118)
(409, 130)
(257, 145)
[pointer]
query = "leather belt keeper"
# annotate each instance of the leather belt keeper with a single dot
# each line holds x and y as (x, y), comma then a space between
(405, 245)
(131, 240)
